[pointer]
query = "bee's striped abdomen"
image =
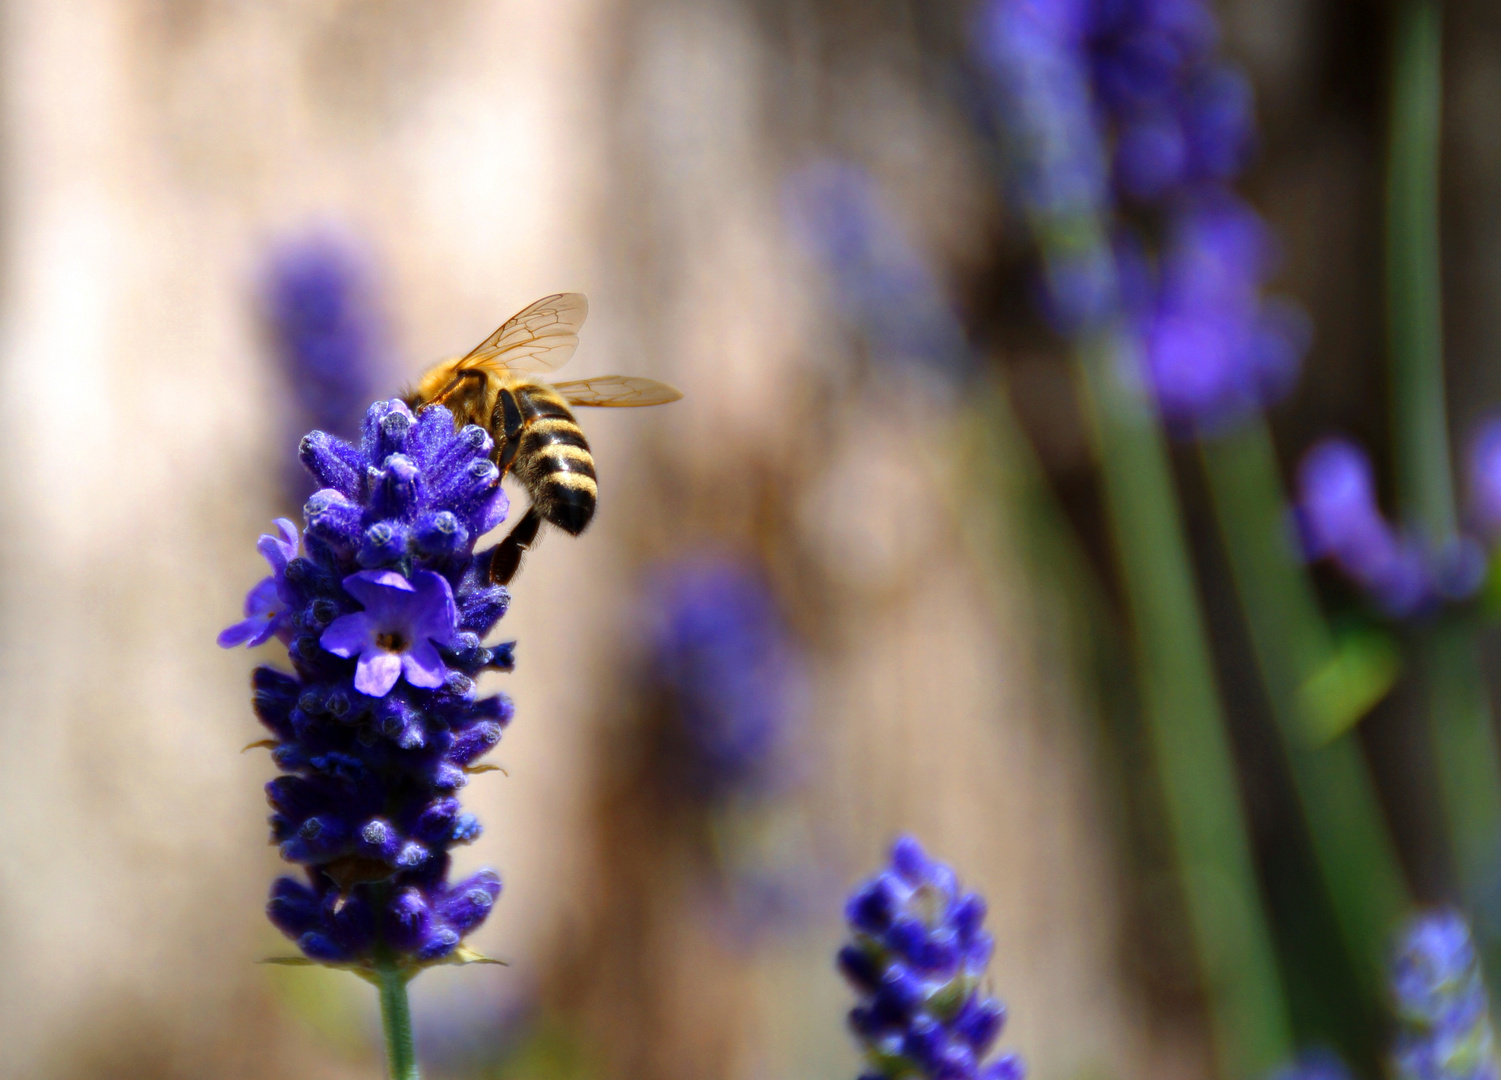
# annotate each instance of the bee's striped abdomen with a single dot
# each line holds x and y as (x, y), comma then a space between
(553, 460)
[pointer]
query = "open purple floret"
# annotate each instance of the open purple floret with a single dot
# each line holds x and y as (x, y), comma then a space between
(268, 606)
(916, 960)
(385, 616)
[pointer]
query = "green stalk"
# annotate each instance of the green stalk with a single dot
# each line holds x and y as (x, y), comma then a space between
(1413, 304)
(396, 1020)
(1464, 745)
(1458, 710)
(1317, 692)
(1184, 718)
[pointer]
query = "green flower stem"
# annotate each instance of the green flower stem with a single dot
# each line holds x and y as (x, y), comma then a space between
(1184, 718)
(1466, 757)
(1295, 652)
(396, 1019)
(1413, 303)
(1458, 710)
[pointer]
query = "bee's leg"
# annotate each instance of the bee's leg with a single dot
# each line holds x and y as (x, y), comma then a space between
(506, 423)
(505, 560)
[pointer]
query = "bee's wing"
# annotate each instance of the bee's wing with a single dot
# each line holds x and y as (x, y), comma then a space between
(617, 390)
(541, 337)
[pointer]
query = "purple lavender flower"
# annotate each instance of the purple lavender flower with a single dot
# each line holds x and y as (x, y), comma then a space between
(1215, 349)
(731, 672)
(1485, 479)
(397, 633)
(881, 282)
(1439, 995)
(268, 606)
(1184, 117)
(1073, 77)
(1340, 520)
(381, 723)
(916, 960)
(317, 304)
(1315, 1064)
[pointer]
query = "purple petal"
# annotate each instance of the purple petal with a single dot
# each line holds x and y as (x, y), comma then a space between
(262, 598)
(437, 617)
(350, 634)
(494, 511)
(279, 550)
(373, 588)
(377, 672)
(289, 534)
(272, 551)
(422, 666)
(264, 614)
(238, 634)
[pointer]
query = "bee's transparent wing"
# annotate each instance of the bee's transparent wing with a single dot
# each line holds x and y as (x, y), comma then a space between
(541, 337)
(617, 390)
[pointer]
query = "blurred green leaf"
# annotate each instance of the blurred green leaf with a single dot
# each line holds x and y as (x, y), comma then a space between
(1359, 672)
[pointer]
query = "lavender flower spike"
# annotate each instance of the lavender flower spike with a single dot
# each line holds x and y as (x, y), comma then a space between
(1440, 999)
(1485, 479)
(378, 728)
(1315, 1064)
(733, 674)
(916, 961)
(317, 300)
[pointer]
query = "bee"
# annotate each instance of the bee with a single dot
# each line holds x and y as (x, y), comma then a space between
(536, 437)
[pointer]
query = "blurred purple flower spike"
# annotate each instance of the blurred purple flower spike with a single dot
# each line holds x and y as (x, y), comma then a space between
(1215, 349)
(735, 678)
(324, 327)
(1138, 81)
(882, 284)
(1485, 479)
(1315, 1064)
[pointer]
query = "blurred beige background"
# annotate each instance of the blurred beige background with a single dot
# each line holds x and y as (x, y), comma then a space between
(491, 152)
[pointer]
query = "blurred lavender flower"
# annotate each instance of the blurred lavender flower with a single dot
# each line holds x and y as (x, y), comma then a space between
(1183, 116)
(1440, 999)
(735, 680)
(882, 284)
(1214, 349)
(1315, 1064)
(1485, 479)
(1033, 53)
(380, 724)
(1075, 76)
(1340, 520)
(916, 961)
(323, 326)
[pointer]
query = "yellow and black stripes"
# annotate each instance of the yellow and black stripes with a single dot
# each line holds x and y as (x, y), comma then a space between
(552, 459)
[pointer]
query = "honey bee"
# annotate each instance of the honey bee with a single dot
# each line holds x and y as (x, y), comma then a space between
(536, 436)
